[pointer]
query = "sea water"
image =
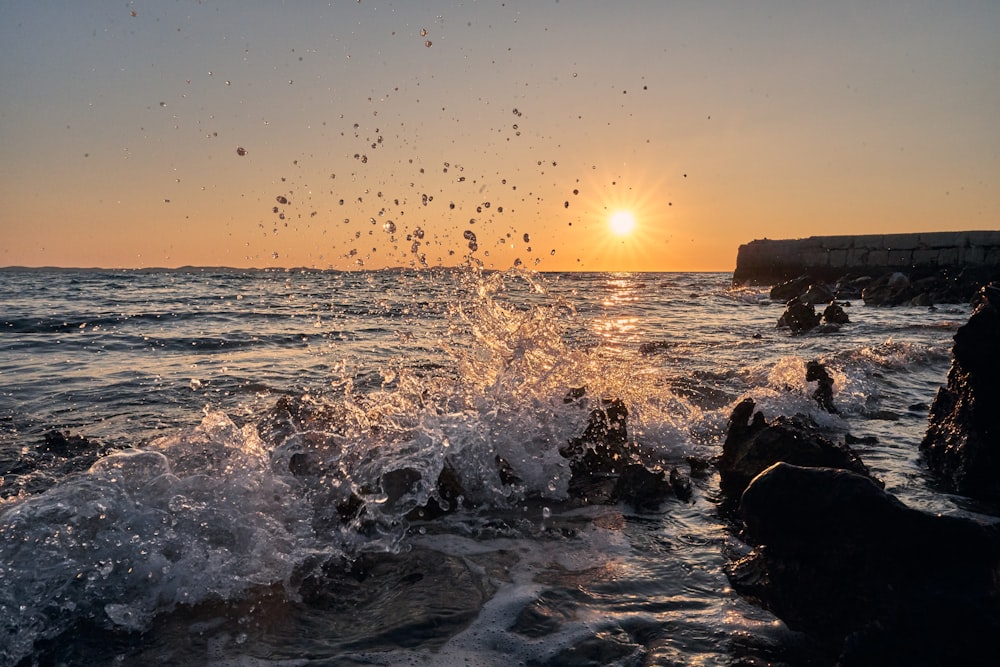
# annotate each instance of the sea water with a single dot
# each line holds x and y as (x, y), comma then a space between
(262, 447)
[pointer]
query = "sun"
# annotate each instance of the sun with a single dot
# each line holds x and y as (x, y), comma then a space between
(622, 223)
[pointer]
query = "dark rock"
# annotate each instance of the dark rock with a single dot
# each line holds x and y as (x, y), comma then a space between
(681, 484)
(799, 317)
(699, 465)
(753, 446)
(506, 471)
(646, 490)
(641, 488)
(603, 447)
(867, 440)
(839, 558)
(818, 293)
(396, 484)
(60, 444)
(790, 289)
(443, 594)
(57, 455)
(962, 443)
(816, 372)
(891, 289)
(835, 314)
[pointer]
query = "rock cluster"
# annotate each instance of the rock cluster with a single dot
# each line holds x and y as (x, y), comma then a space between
(753, 444)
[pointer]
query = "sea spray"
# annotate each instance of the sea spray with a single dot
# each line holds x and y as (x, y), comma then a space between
(301, 515)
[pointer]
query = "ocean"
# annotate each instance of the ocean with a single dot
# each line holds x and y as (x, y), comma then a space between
(256, 477)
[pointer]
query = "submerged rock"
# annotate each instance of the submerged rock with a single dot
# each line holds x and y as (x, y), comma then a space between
(752, 446)
(646, 490)
(875, 581)
(962, 444)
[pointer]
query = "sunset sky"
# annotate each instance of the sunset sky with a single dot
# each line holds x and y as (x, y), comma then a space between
(373, 133)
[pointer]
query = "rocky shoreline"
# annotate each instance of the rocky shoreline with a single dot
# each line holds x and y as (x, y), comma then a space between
(835, 556)
(816, 539)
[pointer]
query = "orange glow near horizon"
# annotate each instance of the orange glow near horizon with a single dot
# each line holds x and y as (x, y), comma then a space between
(333, 137)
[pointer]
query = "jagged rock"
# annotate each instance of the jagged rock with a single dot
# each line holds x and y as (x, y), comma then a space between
(753, 446)
(816, 372)
(799, 317)
(60, 444)
(962, 443)
(790, 289)
(603, 447)
(835, 314)
(875, 581)
(817, 293)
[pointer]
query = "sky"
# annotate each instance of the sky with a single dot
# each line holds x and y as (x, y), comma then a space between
(369, 134)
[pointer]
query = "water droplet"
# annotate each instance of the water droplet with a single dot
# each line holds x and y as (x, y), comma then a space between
(389, 227)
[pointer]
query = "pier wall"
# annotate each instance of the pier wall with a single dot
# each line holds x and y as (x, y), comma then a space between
(766, 261)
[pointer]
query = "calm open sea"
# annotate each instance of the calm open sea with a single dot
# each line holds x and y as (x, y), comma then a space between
(199, 525)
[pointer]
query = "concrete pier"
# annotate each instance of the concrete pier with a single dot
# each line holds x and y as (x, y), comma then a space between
(766, 261)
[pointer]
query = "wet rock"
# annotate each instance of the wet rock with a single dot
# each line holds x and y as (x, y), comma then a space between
(603, 447)
(57, 455)
(60, 444)
(790, 289)
(962, 443)
(835, 314)
(752, 446)
(875, 581)
(681, 484)
(799, 317)
(402, 482)
(891, 289)
(816, 372)
(818, 293)
(867, 440)
(443, 594)
(646, 490)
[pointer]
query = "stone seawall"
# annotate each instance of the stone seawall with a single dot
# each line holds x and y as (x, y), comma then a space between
(766, 261)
